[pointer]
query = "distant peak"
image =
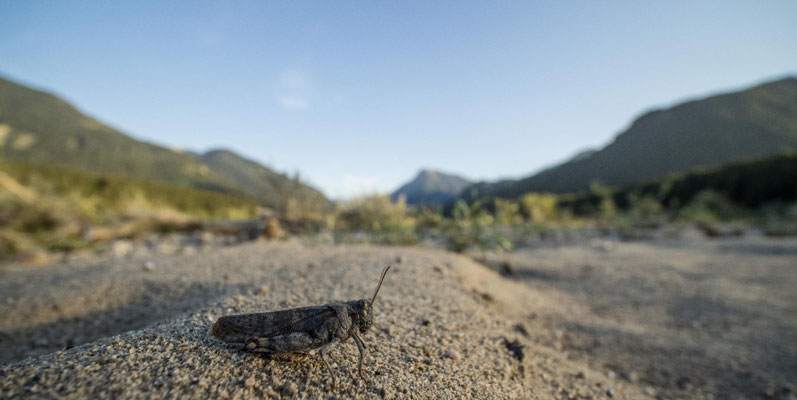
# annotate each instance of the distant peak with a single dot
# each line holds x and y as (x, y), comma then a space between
(434, 173)
(219, 150)
(431, 187)
(428, 173)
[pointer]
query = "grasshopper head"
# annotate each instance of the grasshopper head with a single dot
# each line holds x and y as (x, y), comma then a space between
(364, 315)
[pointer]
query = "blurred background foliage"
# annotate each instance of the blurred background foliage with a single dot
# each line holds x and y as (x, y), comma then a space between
(60, 209)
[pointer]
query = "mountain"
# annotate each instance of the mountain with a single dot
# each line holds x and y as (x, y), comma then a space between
(39, 128)
(262, 183)
(709, 132)
(431, 188)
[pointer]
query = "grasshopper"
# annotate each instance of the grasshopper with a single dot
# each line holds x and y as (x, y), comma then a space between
(298, 330)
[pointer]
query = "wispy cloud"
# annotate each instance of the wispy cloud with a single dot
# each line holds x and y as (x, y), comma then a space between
(293, 102)
(293, 90)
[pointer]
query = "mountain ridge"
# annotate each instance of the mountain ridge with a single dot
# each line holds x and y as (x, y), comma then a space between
(39, 127)
(703, 132)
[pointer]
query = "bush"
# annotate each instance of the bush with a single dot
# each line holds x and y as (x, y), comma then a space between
(645, 211)
(540, 207)
(473, 227)
(709, 207)
(385, 222)
(507, 212)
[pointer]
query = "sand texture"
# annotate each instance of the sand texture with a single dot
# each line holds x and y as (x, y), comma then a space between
(591, 320)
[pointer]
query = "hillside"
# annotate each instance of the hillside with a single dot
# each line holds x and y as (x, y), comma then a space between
(709, 132)
(40, 128)
(431, 188)
(263, 184)
(46, 208)
(754, 184)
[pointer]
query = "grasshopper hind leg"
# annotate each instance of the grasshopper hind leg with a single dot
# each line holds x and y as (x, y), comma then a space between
(322, 352)
(361, 348)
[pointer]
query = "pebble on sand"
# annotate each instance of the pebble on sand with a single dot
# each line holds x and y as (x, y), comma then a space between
(452, 354)
(289, 389)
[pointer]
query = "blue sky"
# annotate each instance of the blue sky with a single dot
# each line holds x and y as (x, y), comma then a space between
(358, 96)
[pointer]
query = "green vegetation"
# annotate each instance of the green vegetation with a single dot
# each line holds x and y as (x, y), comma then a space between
(377, 220)
(707, 133)
(757, 192)
(751, 184)
(540, 208)
(52, 208)
(50, 198)
(384, 222)
(103, 198)
(473, 227)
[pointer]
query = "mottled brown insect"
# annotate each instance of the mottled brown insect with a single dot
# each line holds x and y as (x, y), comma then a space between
(298, 330)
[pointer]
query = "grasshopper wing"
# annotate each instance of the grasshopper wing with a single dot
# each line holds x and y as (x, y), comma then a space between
(240, 328)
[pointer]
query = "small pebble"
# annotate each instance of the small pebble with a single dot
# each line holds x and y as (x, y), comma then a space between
(631, 376)
(149, 266)
(610, 392)
(250, 381)
(684, 383)
(452, 354)
(289, 389)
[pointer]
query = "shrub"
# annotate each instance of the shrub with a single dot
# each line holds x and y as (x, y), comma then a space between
(473, 227)
(507, 212)
(645, 210)
(709, 206)
(540, 207)
(386, 222)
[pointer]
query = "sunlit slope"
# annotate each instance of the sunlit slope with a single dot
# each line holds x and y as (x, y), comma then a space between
(40, 128)
(267, 186)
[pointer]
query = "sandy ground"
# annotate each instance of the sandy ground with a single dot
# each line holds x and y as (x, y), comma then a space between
(701, 318)
(597, 320)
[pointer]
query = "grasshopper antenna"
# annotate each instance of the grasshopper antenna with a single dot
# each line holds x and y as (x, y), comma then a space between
(382, 278)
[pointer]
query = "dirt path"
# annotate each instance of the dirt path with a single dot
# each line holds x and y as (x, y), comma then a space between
(628, 320)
